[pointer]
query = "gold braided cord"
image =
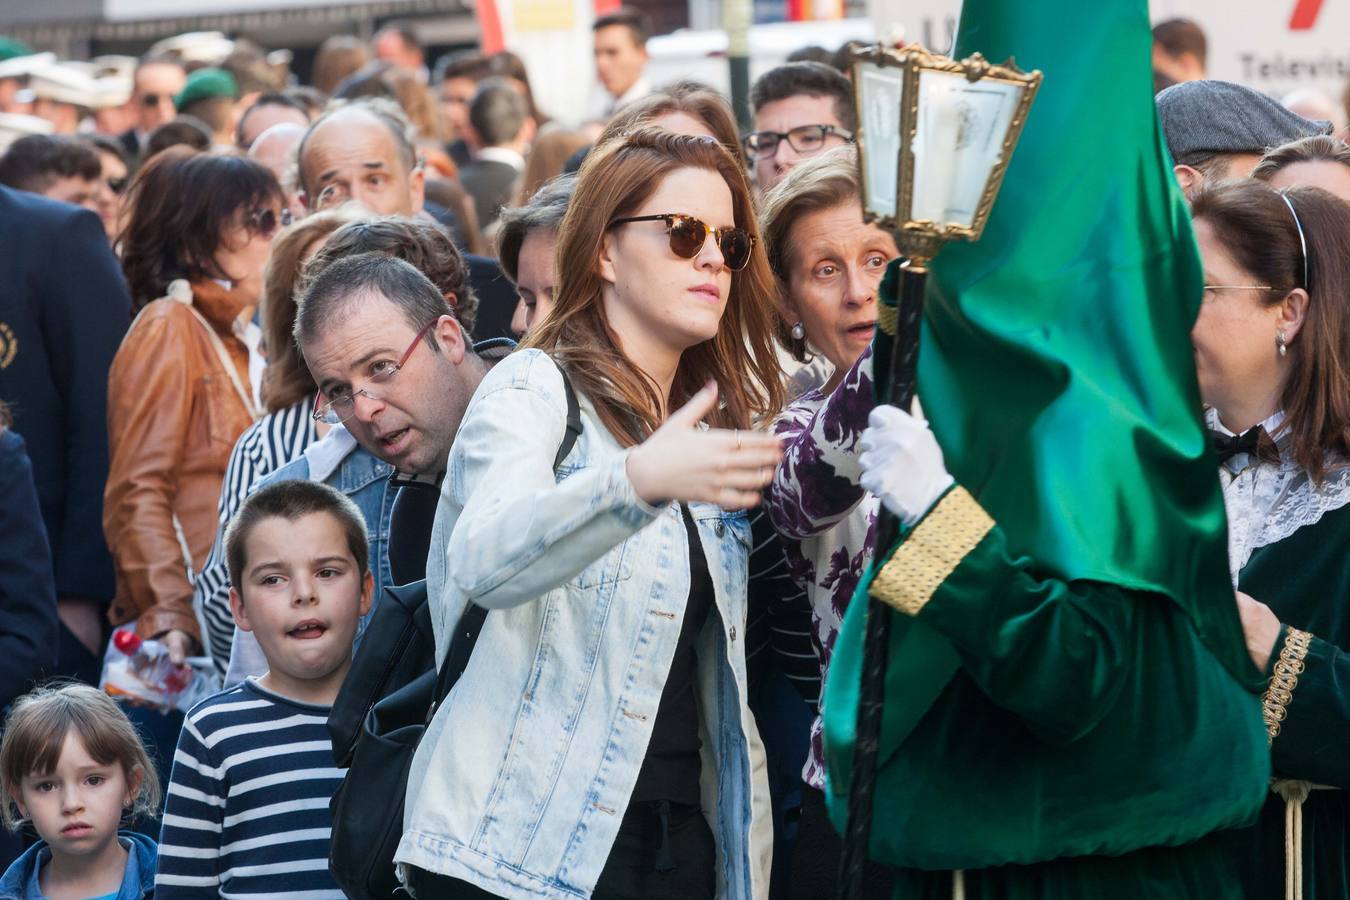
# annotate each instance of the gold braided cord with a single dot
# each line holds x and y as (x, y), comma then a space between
(1283, 680)
(887, 319)
(932, 552)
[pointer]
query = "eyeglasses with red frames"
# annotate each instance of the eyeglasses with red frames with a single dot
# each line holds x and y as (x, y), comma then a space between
(337, 407)
(688, 235)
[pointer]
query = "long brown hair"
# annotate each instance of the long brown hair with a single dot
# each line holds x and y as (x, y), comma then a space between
(1258, 230)
(287, 380)
(615, 180)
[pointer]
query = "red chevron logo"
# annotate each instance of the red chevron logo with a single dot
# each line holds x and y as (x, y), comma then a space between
(1305, 14)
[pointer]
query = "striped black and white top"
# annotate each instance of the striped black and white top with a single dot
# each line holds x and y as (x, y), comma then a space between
(267, 445)
(247, 807)
(779, 632)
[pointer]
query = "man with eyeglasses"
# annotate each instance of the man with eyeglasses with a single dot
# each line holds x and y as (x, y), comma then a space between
(362, 153)
(800, 109)
(156, 82)
(396, 370)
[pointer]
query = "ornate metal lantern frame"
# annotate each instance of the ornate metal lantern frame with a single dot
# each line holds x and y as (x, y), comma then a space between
(903, 71)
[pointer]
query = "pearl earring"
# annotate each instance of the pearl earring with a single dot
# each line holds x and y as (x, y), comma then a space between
(798, 332)
(1282, 343)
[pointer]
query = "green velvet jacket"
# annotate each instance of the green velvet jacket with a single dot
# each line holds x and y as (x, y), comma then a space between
(1085, 721)
(1305, 580)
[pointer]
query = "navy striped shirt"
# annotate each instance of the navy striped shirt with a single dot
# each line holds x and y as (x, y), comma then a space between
(247, 808)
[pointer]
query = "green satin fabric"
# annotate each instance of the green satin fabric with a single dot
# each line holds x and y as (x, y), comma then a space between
(1085, 719)
(1056, 366)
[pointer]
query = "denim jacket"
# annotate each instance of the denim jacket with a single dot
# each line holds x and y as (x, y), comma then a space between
(339, 462)
(524, 774)
(20, 881)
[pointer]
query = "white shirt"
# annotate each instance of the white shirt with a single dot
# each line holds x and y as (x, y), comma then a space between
(502, 155)
(606, 104)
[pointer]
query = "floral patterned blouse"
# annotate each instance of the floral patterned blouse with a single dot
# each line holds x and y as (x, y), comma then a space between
(826, 520)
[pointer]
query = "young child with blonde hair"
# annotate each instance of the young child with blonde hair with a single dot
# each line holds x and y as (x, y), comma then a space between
(73, 766)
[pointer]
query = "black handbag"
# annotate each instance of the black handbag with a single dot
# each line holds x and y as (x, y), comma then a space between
(395, 681)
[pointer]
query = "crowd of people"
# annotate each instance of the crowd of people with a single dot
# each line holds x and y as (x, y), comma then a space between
(268, 350)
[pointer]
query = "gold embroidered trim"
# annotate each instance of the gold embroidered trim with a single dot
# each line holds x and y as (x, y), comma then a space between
(932, 552)
(888, 318)
(1283, 680)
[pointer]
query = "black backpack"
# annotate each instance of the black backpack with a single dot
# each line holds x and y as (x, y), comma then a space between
(381, 713)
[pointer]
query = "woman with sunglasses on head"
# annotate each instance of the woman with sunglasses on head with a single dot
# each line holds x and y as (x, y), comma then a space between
(1272, 351)
(198, 235)
(612, 753)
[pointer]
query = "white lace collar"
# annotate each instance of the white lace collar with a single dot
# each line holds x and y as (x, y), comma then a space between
(1267, 502)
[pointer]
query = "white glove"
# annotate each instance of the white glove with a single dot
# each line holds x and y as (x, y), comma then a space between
(902, 463)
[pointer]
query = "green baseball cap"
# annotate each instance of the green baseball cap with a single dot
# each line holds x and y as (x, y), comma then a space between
(205, 84)
(10, 48)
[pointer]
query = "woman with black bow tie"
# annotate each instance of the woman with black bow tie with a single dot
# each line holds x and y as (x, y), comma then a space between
(1272, 349)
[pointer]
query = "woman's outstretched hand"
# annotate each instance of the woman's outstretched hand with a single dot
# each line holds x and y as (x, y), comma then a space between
(682, 462)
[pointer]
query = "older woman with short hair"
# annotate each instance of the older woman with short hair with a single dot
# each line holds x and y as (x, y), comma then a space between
(1318, 161)
(829, 265)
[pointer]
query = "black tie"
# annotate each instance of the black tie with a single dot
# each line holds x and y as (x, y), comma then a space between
(1229, 445)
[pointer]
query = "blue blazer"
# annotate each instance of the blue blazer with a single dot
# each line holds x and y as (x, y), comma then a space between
(63, 310)
(27, 593)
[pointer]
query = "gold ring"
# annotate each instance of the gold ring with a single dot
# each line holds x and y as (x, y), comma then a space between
(738, 439)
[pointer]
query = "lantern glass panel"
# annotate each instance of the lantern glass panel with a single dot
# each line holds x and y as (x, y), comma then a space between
(881, 92)
(958, 142)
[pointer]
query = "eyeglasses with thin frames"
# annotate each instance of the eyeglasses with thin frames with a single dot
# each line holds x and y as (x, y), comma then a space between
(340, 406)
(805, 139)
(1238, 287)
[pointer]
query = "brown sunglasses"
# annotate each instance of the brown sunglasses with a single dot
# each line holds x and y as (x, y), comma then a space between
(688, 234)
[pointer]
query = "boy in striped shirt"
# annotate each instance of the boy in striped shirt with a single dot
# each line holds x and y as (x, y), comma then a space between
(247, 811)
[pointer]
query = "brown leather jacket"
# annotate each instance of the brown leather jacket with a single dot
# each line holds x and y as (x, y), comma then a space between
(174, 414)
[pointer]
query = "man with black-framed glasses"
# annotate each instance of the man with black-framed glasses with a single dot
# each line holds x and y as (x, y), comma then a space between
(800, 109)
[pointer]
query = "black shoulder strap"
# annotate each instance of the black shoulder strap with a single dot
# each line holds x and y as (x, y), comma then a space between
(471, 622)
(573, 421)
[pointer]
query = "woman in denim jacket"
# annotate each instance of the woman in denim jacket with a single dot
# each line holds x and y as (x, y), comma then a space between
(598, 742)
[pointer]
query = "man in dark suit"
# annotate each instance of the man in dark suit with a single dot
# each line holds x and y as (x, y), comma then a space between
(63, 310)
(155, 84)
(500, 118)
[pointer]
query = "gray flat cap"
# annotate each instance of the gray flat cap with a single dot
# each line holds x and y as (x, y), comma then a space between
(1221, 117)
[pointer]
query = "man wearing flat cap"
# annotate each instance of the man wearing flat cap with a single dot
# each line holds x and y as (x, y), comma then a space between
(212, 95)
(1217, 130)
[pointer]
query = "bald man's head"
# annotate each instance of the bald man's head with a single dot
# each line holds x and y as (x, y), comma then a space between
(361, 152)
(275, 148)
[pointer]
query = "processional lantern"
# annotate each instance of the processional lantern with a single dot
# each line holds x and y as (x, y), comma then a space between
(934, 139)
